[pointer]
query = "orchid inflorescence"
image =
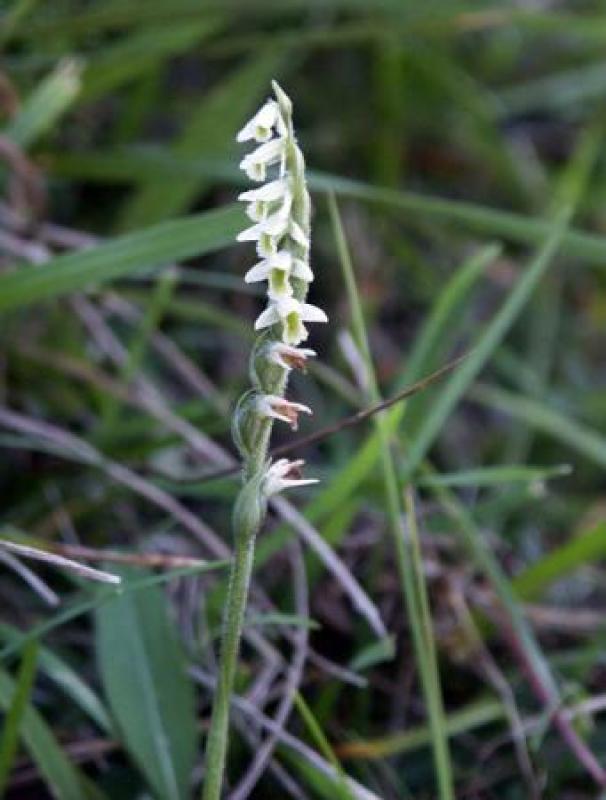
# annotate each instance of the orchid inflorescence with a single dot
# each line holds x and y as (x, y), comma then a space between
(280, 212)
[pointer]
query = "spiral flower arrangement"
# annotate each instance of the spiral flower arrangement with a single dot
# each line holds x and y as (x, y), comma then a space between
(280, 214)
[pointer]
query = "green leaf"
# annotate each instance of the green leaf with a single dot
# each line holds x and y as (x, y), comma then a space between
(143, 669)
(12, 723)
(407, 550)
(447, 306)
(279, 618)
(470, 717)
(495, 476)
(61, 777)
(161, 244)
(341, 787)
(62, 674)
(128, 165)
(487, 342)
(585, 547)
(376, 652)
(540, 416)
(87, 601)
(133, 55)
(45, 105)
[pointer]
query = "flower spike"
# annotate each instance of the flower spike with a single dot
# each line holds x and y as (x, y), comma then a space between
(280, 212)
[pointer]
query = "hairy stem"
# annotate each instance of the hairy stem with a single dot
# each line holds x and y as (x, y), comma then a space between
(233, 620)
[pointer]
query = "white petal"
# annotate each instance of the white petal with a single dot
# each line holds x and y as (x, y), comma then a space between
(269, 192)
(288, 357)
(311, 313)
(275, 225)
(267, 153)
(259, 127)
(250, 234)
(287, 306)
(302, 270)
(271, 405)
(267, 318)
(301, 408)
(287, 483)
(277, 476)
(260, 272)
(281, 260)
(273, 414)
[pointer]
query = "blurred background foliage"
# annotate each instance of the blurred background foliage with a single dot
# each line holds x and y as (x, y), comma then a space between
(464, 145)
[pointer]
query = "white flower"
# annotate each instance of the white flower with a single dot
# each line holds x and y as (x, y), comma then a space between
(260, 200)
(268, 193)
(274, 225)
(260, 126)
(281, 260)
(292, 314)
(259, 209)
(275, 407)
(283, 474)
(255, 164)
(281, 231)
(277, 269)
(288, 357)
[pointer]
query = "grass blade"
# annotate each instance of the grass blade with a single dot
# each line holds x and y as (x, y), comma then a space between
(540, 416)
(64, 676)
(487, 343)
(90, 603)
(412, 581)
(14, 716)
(47, 103)
(125, 255)
(584, 547)
(323, 745)
(61, 777)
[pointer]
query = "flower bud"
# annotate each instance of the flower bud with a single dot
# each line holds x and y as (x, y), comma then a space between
(245, 424)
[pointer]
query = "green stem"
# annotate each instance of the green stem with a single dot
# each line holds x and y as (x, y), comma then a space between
(233, 621)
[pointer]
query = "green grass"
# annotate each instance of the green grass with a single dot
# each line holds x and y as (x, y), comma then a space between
(458, 181)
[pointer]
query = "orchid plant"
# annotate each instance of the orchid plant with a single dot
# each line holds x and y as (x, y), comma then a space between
(280, 213)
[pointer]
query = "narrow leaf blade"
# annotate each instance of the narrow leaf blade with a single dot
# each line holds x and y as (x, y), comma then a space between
(143, 670)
